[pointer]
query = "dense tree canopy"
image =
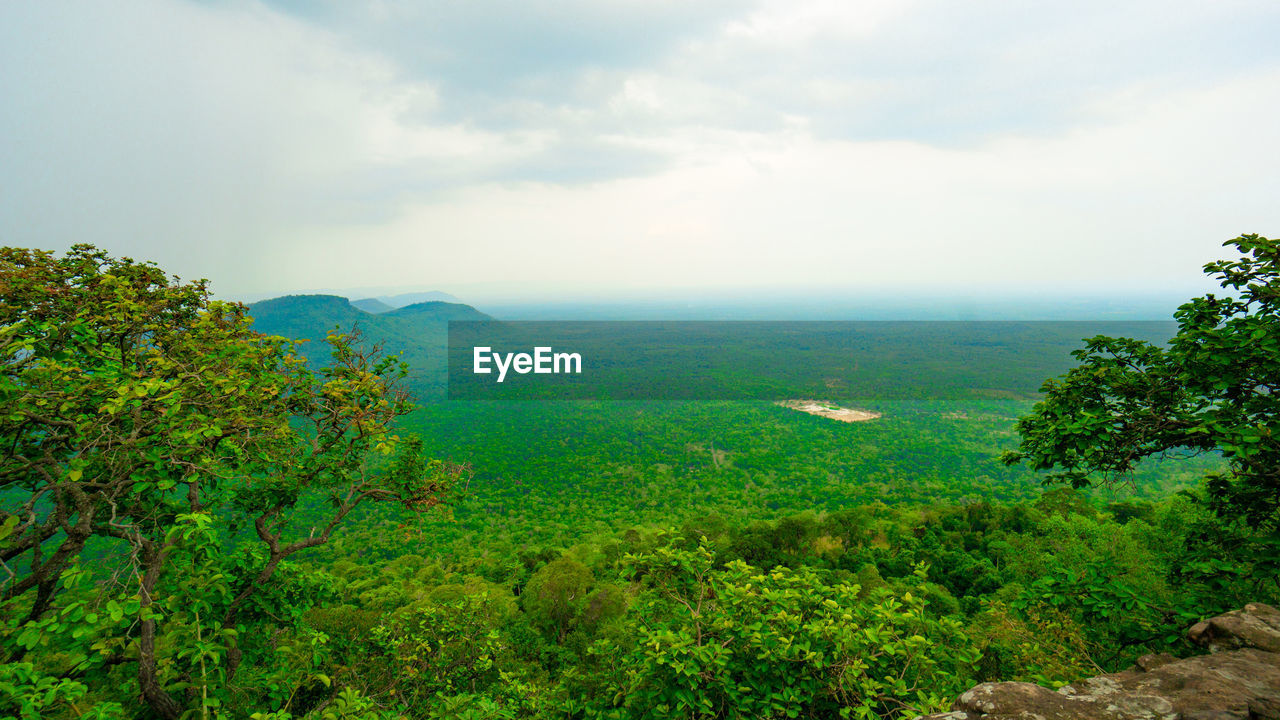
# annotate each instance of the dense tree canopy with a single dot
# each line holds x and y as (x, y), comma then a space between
(141, 419)
(1215, 386)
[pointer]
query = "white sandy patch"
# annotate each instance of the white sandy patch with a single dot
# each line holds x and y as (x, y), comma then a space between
(828, 410)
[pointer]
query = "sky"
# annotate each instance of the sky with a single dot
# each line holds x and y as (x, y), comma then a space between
(556, 150)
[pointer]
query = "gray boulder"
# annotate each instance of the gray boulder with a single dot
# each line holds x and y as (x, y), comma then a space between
(1238, 680)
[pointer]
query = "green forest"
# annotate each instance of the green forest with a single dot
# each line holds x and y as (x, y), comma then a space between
(213, 510)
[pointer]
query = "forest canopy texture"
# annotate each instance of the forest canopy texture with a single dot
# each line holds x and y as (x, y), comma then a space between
(196, 522)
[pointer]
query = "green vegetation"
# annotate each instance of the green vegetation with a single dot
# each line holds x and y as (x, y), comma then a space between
(143, 424)
(189, 523)
(416, 333)
(1213, 388)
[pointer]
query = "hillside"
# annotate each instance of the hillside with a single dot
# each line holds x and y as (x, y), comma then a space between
(303, 316)
(419, 332)
(438, 310)
(373, 306)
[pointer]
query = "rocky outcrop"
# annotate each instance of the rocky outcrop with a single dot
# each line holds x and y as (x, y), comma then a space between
(1238, 680)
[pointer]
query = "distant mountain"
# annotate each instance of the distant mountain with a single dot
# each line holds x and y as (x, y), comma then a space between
(418, 332)
(372, 305)
(357, 295)
(304, 316)
(414, 298)
(439, 310)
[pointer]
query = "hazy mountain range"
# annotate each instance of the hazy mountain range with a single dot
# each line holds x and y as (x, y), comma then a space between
(386, 303)
(419, 332)
(765, 304)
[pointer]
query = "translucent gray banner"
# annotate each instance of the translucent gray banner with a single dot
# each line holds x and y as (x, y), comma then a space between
(691, 360)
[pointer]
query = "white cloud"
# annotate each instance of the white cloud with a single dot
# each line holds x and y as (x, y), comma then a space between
(788, 23)
(1131, 206)
(567, 148)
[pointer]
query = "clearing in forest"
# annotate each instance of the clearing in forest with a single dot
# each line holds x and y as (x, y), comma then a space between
(827, 410)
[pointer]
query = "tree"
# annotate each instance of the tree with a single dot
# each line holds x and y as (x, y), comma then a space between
(1214, 386)
(557, 594)
(146, 426)
(737, 641)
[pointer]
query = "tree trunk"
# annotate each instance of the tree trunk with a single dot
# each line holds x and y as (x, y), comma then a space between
(148, 681)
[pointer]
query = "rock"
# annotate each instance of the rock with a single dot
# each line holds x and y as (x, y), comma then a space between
(1021, 700)
(1256, 626)
(1147, 663)
(1238, 680)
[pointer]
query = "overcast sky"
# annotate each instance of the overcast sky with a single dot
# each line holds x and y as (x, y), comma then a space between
(582, 148)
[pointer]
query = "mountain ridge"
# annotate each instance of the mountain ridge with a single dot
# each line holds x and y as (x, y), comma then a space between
(418, 332)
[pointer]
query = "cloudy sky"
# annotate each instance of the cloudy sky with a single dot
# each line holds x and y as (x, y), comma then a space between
(550, 149)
